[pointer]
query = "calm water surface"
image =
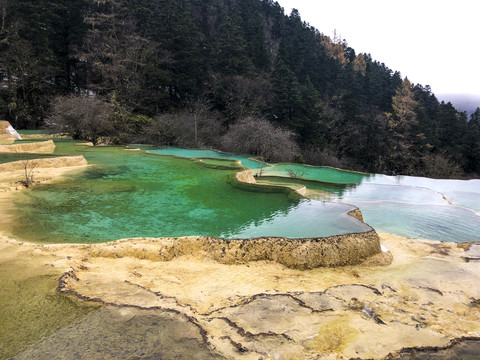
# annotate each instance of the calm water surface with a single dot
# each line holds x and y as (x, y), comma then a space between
(193, 153)
(134, 194)
(415, 207)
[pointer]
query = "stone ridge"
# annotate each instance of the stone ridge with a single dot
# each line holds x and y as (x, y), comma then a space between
(308, 253)
(338, 250)
(53, 162)
(35, 147)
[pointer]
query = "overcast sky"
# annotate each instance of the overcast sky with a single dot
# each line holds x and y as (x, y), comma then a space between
(432, 42)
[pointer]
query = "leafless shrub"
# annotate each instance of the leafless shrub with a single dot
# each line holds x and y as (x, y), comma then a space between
(259, 137)
(323, 157)
(29, 167)
(29, 171)
(439, 166)
(185, 130)
(82, 117)
(259, 172)
(296, 174)
(161, 131)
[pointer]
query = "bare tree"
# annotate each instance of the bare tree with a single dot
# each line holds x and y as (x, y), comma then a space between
(29, 166)
(244, 97)
(185, 129)
(200, 108)
(296, 174)
(440, 166)
(4, 10)
(259, 137)
(82, 117)
(260, 170)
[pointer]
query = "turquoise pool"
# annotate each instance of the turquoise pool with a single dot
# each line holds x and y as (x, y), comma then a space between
(139, 194)
(415, 207)
(136, 194)
(193, 153)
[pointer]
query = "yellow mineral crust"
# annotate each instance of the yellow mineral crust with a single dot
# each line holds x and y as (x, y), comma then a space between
(425, 297)
(293, 253)
(246, 176)
(45, 169)
(5, 133)
(34, 147)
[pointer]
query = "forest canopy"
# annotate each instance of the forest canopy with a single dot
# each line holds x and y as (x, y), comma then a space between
(195, 72)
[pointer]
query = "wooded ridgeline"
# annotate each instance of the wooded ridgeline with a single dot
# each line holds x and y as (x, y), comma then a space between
(194, 72)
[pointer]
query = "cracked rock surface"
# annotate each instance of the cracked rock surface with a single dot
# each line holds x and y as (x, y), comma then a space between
(427, 297)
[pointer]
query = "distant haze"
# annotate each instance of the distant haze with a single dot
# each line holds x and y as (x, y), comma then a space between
(462, 102)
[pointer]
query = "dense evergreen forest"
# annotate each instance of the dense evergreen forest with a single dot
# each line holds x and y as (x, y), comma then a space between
(239, 75)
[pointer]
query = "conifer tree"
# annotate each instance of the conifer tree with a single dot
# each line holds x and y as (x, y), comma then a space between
(402, 123)
(230, 48)
(472, 144)
(287, 99)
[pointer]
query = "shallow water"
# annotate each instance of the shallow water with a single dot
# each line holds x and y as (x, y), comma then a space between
(418, 211)
(325, 174)
(134, 194)
(194, 153)
(415, 207)
(412, 211)
(321, 217)
(464, 349)
(30, 308)
(124, 333)
(8, 157)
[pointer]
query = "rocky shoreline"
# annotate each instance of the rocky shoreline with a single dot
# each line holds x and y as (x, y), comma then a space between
(427, 297)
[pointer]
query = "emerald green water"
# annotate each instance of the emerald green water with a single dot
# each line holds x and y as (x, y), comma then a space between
(135, 194)
(415, 207)
(132, 194)
(324, 174)
(337, 190)
(193, 153)
(33, 132)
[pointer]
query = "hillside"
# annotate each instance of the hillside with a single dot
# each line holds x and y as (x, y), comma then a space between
(201, 72)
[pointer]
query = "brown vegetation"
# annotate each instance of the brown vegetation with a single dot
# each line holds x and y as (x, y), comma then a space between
(261, 138)
(82, 117)
(185, 130)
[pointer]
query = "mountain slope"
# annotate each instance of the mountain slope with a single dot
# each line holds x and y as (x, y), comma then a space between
(239, 59)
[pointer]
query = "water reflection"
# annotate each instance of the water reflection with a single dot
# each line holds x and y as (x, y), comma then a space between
(136, 194)
(437, 209)
(446, 210)
(307, 219)
(132, 194)
(194, 153)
